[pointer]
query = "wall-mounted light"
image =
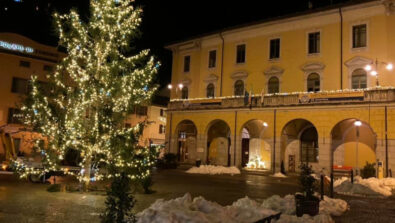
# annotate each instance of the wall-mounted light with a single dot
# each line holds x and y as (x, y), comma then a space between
(265, 124)
(180, 86)
(389, 66)
(373, 73)
(368, 67)
(169, 86)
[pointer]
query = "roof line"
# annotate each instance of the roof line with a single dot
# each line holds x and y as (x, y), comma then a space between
(271, 19)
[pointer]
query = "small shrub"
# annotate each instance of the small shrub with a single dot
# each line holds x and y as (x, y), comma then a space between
(54, 188)
(307, 181)
(146, 183)
(369, 170)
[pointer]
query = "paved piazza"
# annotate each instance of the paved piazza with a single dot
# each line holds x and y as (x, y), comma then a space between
(21, 201)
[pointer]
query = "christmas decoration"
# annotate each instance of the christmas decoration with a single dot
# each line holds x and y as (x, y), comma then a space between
(91, 93)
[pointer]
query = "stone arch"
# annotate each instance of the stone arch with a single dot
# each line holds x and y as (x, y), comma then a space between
(218, 143)
(186, 132)
(299, 143)
(255, 149)
(352, 144)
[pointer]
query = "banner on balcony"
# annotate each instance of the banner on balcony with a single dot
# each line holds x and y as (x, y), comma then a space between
(331, 97)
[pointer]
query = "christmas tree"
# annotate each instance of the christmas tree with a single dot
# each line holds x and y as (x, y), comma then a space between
(91, 93)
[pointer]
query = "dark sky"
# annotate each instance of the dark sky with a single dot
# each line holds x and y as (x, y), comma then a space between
(164, 21)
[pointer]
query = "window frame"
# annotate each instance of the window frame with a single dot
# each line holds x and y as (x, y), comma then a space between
(213, 95)
(314, 87)
(270, 49)
(278, 85)
(308, 43)
(351, 37)
(359, 75)
(184, 64)
(234, 87)
(215, 59)
(14, 88)
(25, 64)
(182, 93)
(237, 54)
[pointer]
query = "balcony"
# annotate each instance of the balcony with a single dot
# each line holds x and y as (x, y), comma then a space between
(373, 95)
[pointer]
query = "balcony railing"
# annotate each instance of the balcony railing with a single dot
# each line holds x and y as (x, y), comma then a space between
(293, 99)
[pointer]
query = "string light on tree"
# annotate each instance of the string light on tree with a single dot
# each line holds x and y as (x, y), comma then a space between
(92, 91)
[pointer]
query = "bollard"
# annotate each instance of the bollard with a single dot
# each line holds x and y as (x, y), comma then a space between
(331, 187)
(352, 176)
(322, 187)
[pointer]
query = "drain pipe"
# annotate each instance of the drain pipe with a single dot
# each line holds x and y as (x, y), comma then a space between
(341, 48)
(222, 63)
(274, 140)
(234, 149)
(386, 141)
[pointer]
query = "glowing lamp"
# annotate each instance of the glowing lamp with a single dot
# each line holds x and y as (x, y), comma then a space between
(265, 124)
(180, 86)
(358, 123)
(169, 86)
(368, 67)
(389, 66)
(373, 73)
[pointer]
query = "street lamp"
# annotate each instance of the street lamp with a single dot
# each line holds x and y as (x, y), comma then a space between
(357, 124)
(374, 70)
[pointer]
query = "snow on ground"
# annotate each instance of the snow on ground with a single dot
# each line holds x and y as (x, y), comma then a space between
(245, 210)
(279, 175)
(366, 187)
(211, 169)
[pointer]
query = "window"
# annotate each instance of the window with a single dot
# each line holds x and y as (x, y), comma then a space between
(14, 116)
(187, 64)
(241, 53)
(273, 85)
(48, 68)
(274, 48)
(239, 88)
(314, 42)
(162, 129)
(184, 93)
(161, 112)
(309, 145)
(359, 36)
(23, 63)
(212, 59)
(358, 79)
(141, 110)
(313, 82)
(210, 90)
(19, 85)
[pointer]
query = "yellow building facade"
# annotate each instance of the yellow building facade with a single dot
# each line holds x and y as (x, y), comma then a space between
(295, 89)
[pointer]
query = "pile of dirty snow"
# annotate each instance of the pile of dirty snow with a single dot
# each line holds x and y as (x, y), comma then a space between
(211, 169)
(365, 187)
(279, 174)
(245, 210)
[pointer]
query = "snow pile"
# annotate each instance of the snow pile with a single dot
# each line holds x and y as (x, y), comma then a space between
(186, 209)
(366, 187)
(211, 169)
(279, 174)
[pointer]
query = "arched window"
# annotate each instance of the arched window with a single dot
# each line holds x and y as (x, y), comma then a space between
(358, 79)
(309, 145)
(210, 91)
(239, 88)
(313, 82)
(273, 85)
(184, 93)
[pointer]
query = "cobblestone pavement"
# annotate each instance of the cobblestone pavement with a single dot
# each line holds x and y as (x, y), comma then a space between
(23, 202)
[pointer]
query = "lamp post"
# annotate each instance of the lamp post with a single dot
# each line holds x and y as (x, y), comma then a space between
(179, 86)
(357, 124)
(374, 67)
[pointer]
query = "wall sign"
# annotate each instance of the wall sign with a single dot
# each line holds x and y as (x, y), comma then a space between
(16, 47)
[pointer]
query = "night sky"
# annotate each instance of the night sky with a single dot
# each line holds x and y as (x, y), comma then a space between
(164, 21)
